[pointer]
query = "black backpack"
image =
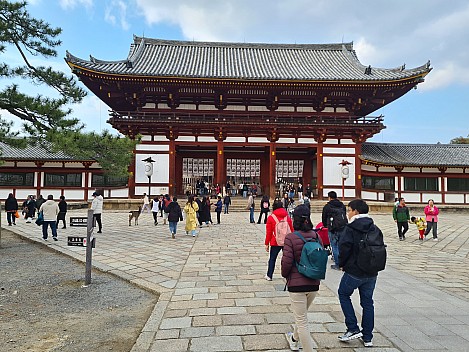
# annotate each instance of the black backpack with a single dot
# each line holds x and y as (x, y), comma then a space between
(336, 219)
(371, 256)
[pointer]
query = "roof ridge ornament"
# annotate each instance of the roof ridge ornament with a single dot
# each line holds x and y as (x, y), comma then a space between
(368, 70)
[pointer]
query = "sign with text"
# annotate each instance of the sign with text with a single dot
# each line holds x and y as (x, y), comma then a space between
(78, 221)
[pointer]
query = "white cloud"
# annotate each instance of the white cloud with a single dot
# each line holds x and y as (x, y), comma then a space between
(71, 4)
(110, 16)
(386, 34)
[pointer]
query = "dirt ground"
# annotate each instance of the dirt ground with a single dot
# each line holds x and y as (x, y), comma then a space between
(43, 306)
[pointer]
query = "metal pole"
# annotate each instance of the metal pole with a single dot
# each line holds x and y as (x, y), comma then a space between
(89, 249)
(1, 224)
(343, 188)
(149, 186)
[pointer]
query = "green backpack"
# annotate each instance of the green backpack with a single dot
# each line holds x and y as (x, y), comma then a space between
(313, 259)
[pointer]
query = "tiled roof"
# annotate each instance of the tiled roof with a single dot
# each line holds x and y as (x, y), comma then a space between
(308, 62)
(31, 153)
(433, 155)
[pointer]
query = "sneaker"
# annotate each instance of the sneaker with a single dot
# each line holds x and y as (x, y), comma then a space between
(294, 345)
(268, 278)
(193, 235)
(350, 335)
(99, 232)
(55, 238)
(401, 238)
(28, 221)
(368, 343)
(435, 239)
(173, 236)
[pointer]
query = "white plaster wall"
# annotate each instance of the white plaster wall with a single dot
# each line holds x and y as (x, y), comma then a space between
(339, 150)
(346, 141)
(152, 147)
(369, 195)
(455, 198)
(307, 141)
(286, 140)
(331, 141)
(160, 168)
(349, 193)
(119, 193)
(186, 139)
(411, 197)
(368, 168)
(147, 138)
(73, 194)
(24, 193)
(46, 191)
(454, 171)
(26, 164)
(258, 140)
(437, 197)
(154, 190)
(4, 194)
(332, 171)
(235, 139)
(207, 139)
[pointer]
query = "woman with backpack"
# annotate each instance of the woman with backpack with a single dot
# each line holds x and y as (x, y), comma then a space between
(265, 209)
(301, 289)
(278, 225)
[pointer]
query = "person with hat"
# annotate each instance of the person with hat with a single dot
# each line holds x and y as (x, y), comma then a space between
(97, 207)
(301, 289)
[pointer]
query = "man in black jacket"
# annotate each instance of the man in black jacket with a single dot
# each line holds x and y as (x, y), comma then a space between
(174, 215)
(359, 223)
(335, 218)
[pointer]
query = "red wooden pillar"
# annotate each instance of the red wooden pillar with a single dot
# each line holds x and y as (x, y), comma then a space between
(443, 188)
(172, 167)
(272, 165)
(320, 176)
(358, 171)
(132, 177)
(39, 165)
(87, 165)
(220, 175)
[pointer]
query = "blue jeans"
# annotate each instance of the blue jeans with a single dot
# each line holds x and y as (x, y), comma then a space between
(53, 227)
(274, 251)
(251, 215)
(366, 287)
(226, 208)
(334, 237)
(173, 225)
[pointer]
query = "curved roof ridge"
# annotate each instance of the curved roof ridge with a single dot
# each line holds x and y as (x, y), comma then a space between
(169, 42)
(72, 58)
(137, 53)
(418, 144)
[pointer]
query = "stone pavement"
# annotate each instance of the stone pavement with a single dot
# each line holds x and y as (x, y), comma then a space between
(213, 296)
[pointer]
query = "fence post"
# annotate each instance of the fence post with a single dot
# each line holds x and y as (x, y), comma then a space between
(89, 246)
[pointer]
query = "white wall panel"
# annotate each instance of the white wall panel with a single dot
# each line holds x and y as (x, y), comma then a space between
(437, 198)
(206, 139)
(258, 140)
(331, 141)
(286, 140)
(152, 147)
(455, 198)
(411, 197)
(332, 171)
(4, 194)
(160, 168)
(369, 195)
(368, 168)
(185, 139)
(24, 193)
(307, 141)
(340, 150)
(119, 193)
(46, 191)
(73, 194)
(235, 139)
(154, 190)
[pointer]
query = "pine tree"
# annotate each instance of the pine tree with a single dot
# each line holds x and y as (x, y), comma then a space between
(46, 119)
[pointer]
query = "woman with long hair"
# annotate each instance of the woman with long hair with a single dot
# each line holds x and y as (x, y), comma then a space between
(301, 289)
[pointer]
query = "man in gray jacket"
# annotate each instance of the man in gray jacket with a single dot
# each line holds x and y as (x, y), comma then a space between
(49, 210)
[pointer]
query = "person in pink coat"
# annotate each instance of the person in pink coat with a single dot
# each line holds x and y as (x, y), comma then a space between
(431, 216)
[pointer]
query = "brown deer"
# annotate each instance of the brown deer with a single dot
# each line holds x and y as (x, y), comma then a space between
(134, 214)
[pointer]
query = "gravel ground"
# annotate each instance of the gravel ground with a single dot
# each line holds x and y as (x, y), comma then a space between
(43, 306)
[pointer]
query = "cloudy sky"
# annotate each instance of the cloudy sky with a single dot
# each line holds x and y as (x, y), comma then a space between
(385, 34)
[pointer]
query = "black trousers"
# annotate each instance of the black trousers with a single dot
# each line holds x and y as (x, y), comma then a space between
(260, 217)
(98, 220)
(431, 225)
(402, 228)
(218, 216)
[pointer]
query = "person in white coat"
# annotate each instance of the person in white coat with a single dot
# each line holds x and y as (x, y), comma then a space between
(97, 207)
(49, 210)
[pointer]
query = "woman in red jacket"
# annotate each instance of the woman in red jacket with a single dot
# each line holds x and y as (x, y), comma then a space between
(301, 289)
(278, 221)
(431, 216)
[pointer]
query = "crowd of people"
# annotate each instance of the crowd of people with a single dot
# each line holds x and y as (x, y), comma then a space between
(288, 227)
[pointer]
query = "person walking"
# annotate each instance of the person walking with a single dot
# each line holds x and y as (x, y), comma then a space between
(227, 203)
(174, 215)
(265, 209)
(97, 207)
(431, 217)
(30, 209)
(191, 208)
(335, 218)
(146, 204)
(355, 278)
(250, 206)
(401, 217)
(301, 289)
(11, 207)
(62, 212)
(300, 191)
(218, 208)
(155, 209)
(39, 201)
(278, 216)
(50, 210)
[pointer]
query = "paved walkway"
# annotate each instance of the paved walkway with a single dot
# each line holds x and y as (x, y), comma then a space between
(214, 298)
